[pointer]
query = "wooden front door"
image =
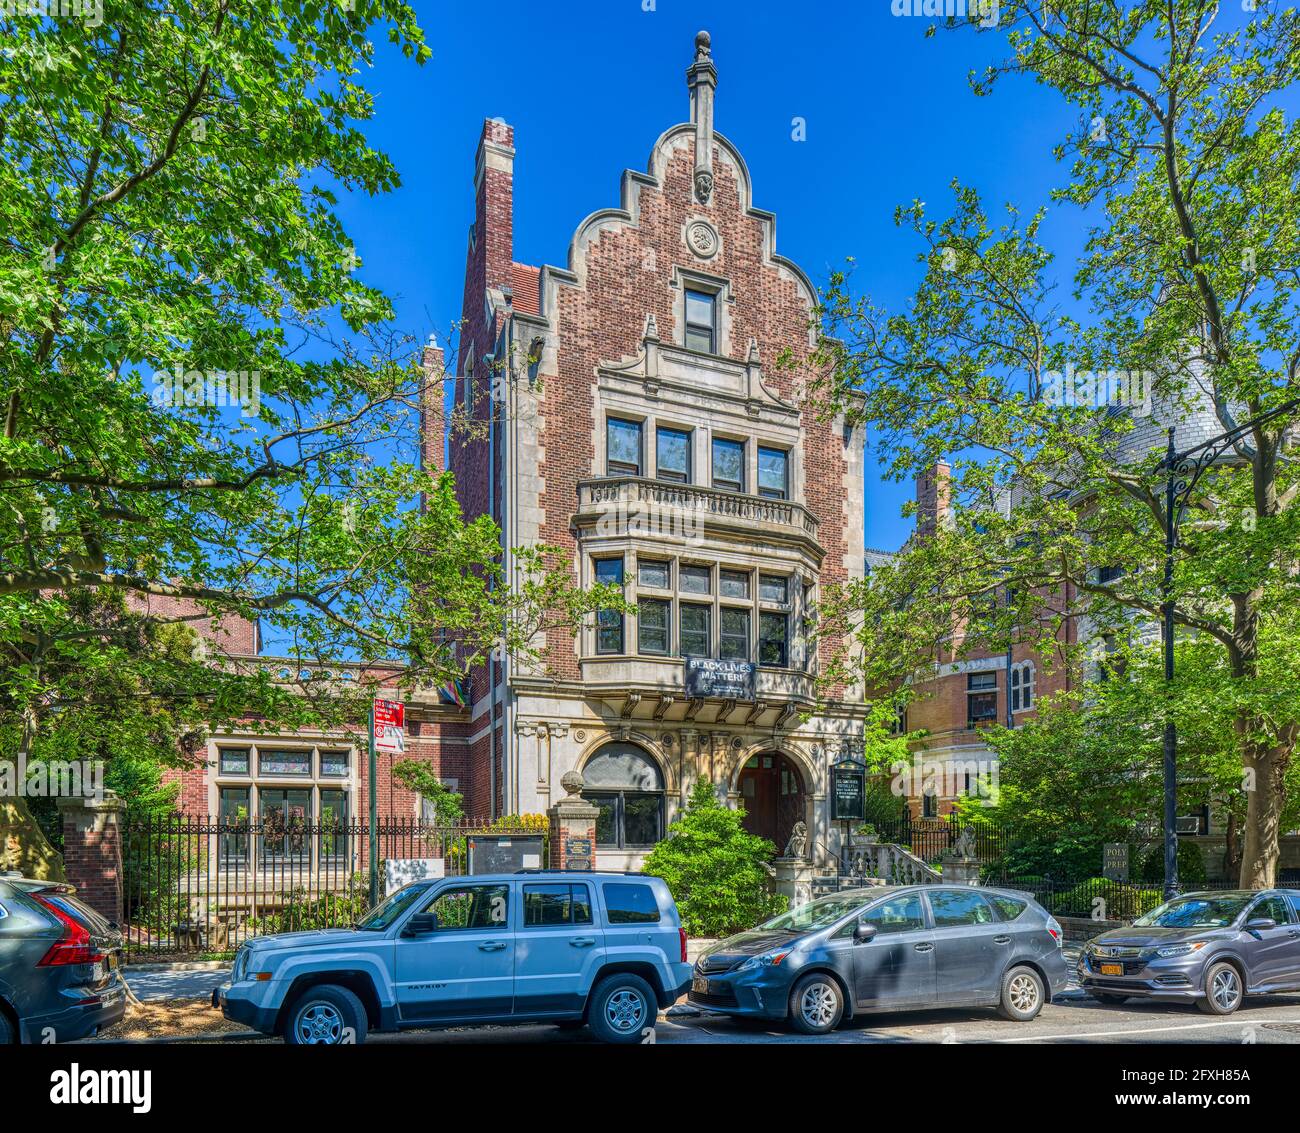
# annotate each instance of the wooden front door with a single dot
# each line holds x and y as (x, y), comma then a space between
(771, 791)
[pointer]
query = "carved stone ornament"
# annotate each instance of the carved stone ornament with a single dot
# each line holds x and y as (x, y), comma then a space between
(703, 185)
(702, 239)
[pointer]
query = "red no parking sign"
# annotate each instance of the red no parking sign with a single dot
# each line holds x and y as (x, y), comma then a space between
(390, 726)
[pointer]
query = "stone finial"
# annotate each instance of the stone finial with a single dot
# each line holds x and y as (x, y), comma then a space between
(702, 80)
(573, 783)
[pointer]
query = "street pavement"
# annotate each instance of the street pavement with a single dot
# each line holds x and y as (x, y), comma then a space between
(154, 985)
(1072, 1018)
(1272, 1020)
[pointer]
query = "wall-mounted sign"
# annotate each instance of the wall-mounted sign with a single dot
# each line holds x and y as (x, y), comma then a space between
(726, 680)
(579, 854)
(1114, 861)
(848, 792)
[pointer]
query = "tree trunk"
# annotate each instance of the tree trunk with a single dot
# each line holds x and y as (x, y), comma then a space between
(24, 848)
(1264, 802)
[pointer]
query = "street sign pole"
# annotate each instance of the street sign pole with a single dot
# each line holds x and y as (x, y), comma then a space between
(374, 815)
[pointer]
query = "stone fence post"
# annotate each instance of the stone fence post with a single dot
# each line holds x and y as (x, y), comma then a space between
(573, 827)
(92, 851)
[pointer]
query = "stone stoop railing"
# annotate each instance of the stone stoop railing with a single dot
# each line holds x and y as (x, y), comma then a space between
(890, 864)
(877, 863)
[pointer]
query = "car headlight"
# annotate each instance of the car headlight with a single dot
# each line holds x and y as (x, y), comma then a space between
(1180, 949)
(767, 960)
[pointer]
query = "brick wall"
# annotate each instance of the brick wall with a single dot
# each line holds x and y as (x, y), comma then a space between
(92, 852)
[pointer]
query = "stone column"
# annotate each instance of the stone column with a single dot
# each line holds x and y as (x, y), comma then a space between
(573, 827)
(92, 851)
(960, 870)
(794, 879)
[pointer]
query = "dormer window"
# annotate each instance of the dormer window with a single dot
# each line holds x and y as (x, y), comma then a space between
(701, 321)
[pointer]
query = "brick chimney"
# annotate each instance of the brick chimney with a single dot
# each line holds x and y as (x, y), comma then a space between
(433, 421)
(934, 498)
(491, 239)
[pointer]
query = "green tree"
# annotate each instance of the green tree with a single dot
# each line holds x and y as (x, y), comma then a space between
(417, 776)
(202, 399)
(717, 871)
(1188, 172)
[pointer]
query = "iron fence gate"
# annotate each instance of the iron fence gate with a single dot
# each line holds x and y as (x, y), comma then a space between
(198, 884)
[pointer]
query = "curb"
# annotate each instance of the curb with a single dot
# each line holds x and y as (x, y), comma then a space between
(180, 966)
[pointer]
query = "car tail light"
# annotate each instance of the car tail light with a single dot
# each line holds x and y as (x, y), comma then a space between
(75, 946)
(1054, 927)
(681, 932)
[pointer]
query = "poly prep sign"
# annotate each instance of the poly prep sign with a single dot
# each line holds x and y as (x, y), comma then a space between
(390, 725)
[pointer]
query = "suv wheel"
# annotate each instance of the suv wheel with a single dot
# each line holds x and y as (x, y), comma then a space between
(816, 1004)
(1022, 995)
(1223, 990)
(622, 1007)
(326, 1016)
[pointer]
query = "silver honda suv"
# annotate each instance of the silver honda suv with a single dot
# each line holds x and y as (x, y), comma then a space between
(1212, 949)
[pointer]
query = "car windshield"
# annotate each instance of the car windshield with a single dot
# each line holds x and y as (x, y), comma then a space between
(1194, 912)
(386, 913)
(822, 913)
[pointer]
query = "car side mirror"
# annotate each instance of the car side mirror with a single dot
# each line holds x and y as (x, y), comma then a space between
(421, 924)
(863, 932)
(1257, 923)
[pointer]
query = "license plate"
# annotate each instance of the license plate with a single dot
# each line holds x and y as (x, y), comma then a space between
(700, 984)
(1112, 969)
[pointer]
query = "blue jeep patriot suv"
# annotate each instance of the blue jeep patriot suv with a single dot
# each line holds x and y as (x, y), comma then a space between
(604, 949)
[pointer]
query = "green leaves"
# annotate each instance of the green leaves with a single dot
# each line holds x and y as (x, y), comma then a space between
(714, 868)
(206, 413)
(1053, 412)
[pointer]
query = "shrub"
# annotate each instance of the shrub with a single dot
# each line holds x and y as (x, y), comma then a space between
(717, 871)
(1191, 864)
(1120, 900)
(300, 912)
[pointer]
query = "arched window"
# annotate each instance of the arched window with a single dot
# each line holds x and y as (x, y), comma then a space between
(1022, 687)
(626, 784)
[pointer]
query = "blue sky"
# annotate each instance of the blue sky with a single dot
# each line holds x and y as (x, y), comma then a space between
(590, 84)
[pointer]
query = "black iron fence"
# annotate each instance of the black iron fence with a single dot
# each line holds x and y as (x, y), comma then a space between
(1098, 898)
(930, 838)
(198, 885)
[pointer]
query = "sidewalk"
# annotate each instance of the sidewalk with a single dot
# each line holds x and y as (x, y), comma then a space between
(158, 983)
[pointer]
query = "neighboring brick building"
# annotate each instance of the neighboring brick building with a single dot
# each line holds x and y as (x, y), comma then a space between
(636, 418)
(971, 688)
(975, 687)
(316, 776)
